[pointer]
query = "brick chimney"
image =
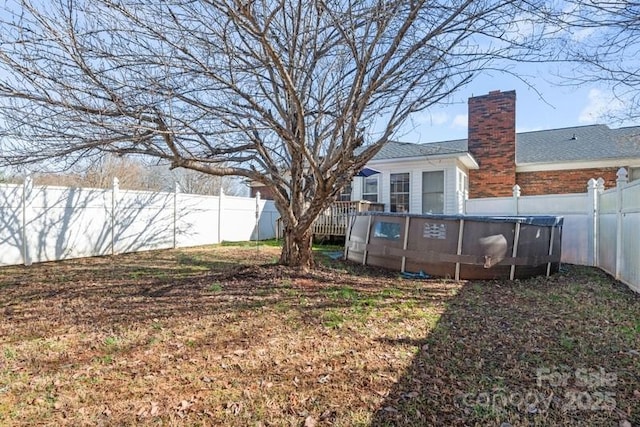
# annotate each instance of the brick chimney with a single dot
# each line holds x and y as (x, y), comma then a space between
(492, 142)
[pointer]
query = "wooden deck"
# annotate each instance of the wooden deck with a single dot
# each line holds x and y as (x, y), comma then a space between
(335, 219)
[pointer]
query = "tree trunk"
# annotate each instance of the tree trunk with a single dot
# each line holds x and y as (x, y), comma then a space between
(297, 248)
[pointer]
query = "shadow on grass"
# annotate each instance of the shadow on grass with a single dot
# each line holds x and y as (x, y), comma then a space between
(107, 291)
(543, 351)
(500, 352)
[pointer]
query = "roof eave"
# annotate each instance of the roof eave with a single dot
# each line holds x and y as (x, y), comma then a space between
(462, 156)
(578, 164)
(469, 161)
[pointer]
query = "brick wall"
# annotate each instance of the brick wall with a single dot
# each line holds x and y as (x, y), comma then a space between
(563, 181)
(265, 192)
(492, 142)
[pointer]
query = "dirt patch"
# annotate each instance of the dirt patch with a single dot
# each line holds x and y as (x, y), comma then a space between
(222, 336)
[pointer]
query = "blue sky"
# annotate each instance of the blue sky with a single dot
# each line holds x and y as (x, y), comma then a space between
(549, 106)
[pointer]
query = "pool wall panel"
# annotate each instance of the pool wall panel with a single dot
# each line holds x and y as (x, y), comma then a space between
(460, 247)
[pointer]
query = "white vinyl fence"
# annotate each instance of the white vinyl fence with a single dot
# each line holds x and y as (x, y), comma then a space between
(40, 224)
(601, 227)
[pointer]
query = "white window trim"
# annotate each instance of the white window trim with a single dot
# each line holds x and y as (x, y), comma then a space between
(408, 193)
(444, 189)
(364, 186)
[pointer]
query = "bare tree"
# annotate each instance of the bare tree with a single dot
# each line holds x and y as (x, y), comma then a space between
(132, 174)
(602, 40)
(297, 95)
(194, 182)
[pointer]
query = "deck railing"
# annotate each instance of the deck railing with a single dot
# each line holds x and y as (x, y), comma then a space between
(335, 219)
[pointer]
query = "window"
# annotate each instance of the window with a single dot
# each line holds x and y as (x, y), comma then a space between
(433, 192)
(370, 189)
(634, 174)
(399, 192)
(463, 182)
(345, 194)
(387, 230)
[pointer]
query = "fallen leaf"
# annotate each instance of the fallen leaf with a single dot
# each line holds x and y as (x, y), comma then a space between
(154, 409)
(142, 412)
(323, 379)
(328, 414)
(184, 405)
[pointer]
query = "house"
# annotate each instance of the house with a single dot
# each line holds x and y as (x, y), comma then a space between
(437, 177)
(422, 178)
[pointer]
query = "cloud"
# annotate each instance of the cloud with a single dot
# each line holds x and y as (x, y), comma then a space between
(523, 26)
(439, 118)
(460, 121)
(582, 34)
(600, 106)
(432, 119)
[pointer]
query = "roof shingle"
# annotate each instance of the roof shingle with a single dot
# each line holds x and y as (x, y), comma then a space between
(580, 143)
(397, 150)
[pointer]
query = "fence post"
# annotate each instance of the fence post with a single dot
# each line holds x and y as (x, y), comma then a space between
(592, 215)
(599, 191)
(621, 181)
(115, 189)
(257, 217)
(176, 192)
(220, 210)
(516, 197)
(27, 187)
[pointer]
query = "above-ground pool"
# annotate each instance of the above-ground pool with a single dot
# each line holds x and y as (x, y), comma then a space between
(456, 246)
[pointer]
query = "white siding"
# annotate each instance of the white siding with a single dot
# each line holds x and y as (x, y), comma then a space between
(415, 169)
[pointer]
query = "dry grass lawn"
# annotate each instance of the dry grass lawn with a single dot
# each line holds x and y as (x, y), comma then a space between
(222, 336)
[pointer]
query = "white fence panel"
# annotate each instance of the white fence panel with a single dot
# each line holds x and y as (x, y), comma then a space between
(575, 239)
(630, 235)
(61, 223)
(239, 220)
(607, 242)
(267, 224)
(490, 206)
(608, 201)
(630, 262)
(631, 198)
(554, 204)
(607, 230)
(197, 220)
(64, 223)
(574, 209)
(143, 221)
(10, 224)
